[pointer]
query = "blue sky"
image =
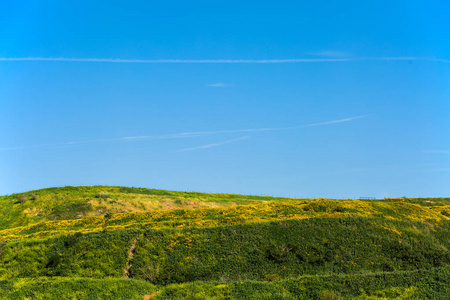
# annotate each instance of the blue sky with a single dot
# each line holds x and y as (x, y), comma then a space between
(333, 99)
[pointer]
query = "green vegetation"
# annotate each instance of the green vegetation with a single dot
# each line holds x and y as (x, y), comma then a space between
(74, 288)
(420, 284)
(67, 203)
(128, 243)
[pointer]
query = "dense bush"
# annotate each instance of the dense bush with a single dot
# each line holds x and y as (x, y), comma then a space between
(419, 284)
(287, 249)
(94, 255)
(282, 249)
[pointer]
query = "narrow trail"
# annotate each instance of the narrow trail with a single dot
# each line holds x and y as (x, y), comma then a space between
(126, 270)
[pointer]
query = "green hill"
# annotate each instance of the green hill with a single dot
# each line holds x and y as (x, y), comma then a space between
(130, 243)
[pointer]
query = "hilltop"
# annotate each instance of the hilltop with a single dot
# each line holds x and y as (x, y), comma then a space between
(134, 243)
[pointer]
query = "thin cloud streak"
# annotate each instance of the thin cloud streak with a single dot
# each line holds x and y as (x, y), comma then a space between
(126, 138)
(215, 144)
(176, 61)
(276, 128)
(184, 134)
(220, 61)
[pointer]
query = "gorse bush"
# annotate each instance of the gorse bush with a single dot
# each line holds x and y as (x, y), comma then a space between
(75, 202)
(65, 213)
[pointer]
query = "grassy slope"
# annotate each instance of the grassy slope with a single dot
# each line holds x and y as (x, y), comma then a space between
(65, 203)
(419, 284)
(74, 288)
(18, 222)
(271, 248)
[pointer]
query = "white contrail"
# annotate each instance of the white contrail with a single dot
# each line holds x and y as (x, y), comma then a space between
(274, 128)
(333, 122)
(126, 138)
(215, 144)
(177, 61)
(183, 134)
(220, 61)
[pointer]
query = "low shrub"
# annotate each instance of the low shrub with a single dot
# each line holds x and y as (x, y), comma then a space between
(330, 295)
(22, 198)
(272, 277)
(103, 195)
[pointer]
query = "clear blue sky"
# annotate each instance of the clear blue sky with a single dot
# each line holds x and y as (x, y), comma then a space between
(88, 96)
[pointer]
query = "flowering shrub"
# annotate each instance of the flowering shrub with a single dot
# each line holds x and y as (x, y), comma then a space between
(211, 217)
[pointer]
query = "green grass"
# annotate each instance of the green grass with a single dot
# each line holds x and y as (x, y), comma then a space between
(57, 243)
(236, 214)
(95, 255)
(74, 288)
(63, 203)
(419, 284)
(287, 249)
(253, 251)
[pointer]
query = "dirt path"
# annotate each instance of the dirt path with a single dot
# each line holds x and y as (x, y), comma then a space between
(126, 270)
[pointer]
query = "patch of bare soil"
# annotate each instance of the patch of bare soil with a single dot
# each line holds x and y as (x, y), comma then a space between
(168, 205)
(126, 270)
(32, 211)
(193, 204)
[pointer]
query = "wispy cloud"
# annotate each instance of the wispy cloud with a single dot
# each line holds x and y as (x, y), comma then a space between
(175, 61)
(199, 133)
(126, 138)
(214, 144)
(333, 122)
(220, 61)
(277, 128)
(183, 134)
(219, 84)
